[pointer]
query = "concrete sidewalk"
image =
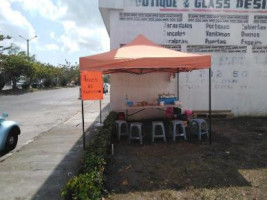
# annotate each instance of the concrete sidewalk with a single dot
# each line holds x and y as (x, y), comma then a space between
(40, 169)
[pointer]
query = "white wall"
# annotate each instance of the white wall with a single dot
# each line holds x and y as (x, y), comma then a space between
(140, 88)
(234, 35)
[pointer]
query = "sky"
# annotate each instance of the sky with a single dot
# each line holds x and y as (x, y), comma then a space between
(65, 29)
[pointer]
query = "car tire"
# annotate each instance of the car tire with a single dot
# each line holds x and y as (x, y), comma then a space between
(12, 140)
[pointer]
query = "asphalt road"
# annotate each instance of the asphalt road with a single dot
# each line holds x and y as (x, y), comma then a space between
(38, 112)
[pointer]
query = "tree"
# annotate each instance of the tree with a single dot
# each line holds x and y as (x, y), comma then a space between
(17, 65)
(69, 73)
(2, 57)
(106, 78)
(2, 48)
(2, 81)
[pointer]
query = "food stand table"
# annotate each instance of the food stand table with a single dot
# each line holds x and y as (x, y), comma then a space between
(142, 108)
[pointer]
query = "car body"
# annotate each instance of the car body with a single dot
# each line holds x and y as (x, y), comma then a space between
(9, 131)
(20, 84)
(37, 85)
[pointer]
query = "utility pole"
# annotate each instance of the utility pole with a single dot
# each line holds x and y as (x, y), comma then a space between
(28, 43)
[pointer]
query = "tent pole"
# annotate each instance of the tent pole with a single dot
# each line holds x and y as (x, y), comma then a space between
(178, 85)
(210, 105)
(100, 112)
(83, 126)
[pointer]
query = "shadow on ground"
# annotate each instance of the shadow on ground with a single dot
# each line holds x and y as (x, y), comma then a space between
(19, 91)
(3, 153)
(16, 91)
(69, 165)
(238, 144)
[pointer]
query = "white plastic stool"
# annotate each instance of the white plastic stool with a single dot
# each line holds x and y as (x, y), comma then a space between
(119, 124)
(199, 123)
(154, 135)
(139, 128)
(174, 129)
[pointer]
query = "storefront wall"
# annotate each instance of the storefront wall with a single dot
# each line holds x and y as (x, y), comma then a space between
(233, 32)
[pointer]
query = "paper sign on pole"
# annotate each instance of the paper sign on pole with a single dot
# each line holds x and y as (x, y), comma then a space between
(91, 85)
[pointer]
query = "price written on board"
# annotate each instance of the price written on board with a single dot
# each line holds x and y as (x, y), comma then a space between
(91, 85)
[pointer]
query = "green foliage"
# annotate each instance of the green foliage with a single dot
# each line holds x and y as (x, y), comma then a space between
(106, 78)
(2, 58)
(2, 48)
(25, 85)
(47, 82)
(15, 63)
(69, 73)
(2, 81)
(84, 186)
(89, 184)
(15, 66)
(63, 81)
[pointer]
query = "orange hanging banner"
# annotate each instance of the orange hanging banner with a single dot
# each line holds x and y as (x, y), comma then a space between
(91, 85)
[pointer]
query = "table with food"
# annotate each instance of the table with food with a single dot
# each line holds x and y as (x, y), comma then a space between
(163, 102)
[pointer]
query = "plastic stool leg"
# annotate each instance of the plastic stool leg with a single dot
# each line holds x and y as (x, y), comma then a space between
(127, 129)
(163, 130)
(153, 132)
(184, 133)
(170, 129)
(119, 136)
(118, 131)
(199, 131)
(130, 135)
(140, 134)
(174, 132)
(141, 137)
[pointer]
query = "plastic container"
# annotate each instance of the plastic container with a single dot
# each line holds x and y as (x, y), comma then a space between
(130, 103)
(120, 116)
(168, 101)
(188, 114)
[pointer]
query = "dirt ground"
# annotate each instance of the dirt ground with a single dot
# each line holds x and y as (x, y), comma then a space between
(233, 167)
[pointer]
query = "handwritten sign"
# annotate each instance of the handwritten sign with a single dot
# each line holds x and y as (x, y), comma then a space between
(91, 85)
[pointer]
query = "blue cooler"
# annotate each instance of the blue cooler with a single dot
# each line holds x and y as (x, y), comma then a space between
(168, 101)
(129, 103)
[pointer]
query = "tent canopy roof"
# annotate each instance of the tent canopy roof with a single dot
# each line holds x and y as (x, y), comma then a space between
(143, 56)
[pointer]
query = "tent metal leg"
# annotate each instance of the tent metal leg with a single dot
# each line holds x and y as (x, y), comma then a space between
(83, 126)
(100, 109)
(210, 105)
(177, 74)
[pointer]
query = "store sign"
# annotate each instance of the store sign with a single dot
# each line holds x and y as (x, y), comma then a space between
(214, 4)
(202, 26)
(91, 85)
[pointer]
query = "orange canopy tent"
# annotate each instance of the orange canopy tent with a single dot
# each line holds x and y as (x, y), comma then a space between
(143, 56)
